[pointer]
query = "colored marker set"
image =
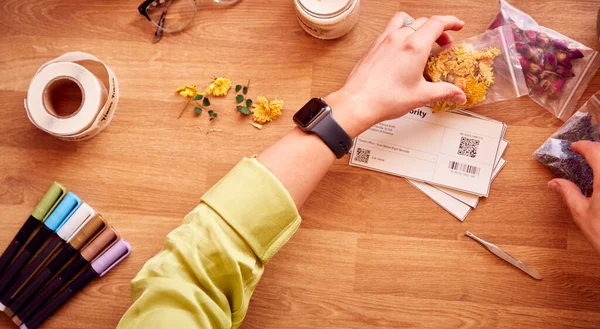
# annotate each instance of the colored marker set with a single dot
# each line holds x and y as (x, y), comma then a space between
(61, 247)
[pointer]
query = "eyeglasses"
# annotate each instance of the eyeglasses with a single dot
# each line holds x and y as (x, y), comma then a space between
(168, 15)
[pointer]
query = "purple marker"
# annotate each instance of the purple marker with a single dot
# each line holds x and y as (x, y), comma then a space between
(111, 258)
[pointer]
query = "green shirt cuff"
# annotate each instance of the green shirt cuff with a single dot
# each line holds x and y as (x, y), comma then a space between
(253, 201)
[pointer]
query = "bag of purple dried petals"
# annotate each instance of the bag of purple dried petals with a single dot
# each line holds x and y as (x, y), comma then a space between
(556, 152)
(557, 69)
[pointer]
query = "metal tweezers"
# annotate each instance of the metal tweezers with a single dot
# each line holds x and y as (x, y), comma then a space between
(505, 256)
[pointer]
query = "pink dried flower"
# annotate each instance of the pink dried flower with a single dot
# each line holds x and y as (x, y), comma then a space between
(560, 44)
(531, 35)
(534, 68)
(535, 54)
(522, 48)
(548, 74)
(549, 61)
(517, 33)
(543, 40)
(563, 60)
(575, 53)
(531, 79)
(565, 72)
(518, 37)
(557, 86)
(545, 85)
(539, 52)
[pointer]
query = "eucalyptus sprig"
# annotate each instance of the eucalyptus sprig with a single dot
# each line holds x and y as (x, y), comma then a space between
(245, 103)
(205, 104)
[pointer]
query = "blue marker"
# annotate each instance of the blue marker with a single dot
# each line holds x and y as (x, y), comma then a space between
(47, 232)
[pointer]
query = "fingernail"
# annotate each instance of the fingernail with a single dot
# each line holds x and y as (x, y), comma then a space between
(459, 99)
(576, 144)
(554, 186)
(573, 144)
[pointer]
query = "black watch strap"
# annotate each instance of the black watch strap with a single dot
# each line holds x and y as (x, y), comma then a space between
(333, 135)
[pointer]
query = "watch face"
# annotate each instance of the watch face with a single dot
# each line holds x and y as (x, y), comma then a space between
(309, 112)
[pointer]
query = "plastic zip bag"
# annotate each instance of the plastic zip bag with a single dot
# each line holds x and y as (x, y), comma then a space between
(557, 69)
(556, 152)
(486, 67)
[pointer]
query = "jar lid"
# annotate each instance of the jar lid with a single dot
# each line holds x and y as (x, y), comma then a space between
(325, 8)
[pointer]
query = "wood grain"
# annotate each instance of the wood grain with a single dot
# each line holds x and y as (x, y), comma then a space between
(372, 252)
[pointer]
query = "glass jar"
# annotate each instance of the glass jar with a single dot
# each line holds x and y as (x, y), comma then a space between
(327, 19)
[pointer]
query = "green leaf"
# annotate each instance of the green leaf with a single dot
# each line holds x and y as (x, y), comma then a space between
(245, 91)
(212, 118)
(239, 98)
(248, 102)
(198, 110)
(238, 88)
(198, 97)
(244, 110)
(206, 102)
(210, 112)
(214, 114)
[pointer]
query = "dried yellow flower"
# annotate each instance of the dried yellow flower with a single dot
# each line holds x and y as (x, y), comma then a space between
(188, 91)
(264, 111)
(469, 69)
(219, 86)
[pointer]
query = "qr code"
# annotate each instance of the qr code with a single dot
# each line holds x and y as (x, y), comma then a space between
(468, 147)
(362, 155)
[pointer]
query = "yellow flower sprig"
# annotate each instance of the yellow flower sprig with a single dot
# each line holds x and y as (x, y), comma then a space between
(191, 93)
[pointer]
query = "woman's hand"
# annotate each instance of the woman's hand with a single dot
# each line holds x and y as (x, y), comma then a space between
(388, 82)
(585, 211)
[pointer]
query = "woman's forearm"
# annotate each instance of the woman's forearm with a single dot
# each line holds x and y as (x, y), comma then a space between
(300, 160)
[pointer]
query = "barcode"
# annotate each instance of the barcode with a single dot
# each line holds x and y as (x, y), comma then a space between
(468, 147)
(464, 168)
(362, 155)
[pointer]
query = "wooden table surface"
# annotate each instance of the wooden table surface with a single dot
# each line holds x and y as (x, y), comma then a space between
(372, 251)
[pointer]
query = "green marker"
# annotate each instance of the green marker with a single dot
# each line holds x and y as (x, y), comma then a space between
(46, 205)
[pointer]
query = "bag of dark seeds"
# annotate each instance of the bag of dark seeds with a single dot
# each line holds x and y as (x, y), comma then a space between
(557, 69)
(556, 152)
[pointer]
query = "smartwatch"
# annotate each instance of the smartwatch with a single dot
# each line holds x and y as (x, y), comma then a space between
(315, 117)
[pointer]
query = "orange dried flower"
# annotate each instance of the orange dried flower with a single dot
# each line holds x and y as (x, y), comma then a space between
(469, 69)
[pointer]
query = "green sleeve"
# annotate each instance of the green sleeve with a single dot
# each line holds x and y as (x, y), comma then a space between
(210, 265)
